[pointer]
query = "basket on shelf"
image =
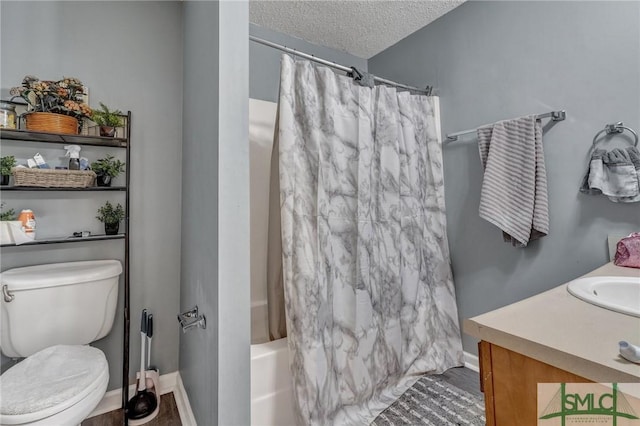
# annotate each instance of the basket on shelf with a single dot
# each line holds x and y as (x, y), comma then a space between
(48, 178)
(51, 123)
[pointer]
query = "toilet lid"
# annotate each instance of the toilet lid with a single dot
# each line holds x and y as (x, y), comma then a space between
(51, 380)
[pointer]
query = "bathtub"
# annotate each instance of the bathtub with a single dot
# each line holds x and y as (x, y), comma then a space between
(271, 397)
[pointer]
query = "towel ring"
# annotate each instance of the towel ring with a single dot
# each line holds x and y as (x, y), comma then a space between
(615, 128)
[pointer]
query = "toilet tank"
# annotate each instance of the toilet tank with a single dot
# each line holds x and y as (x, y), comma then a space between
(70, 303)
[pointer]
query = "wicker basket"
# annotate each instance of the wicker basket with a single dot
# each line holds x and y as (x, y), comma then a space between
(51, 123)
(47, 178)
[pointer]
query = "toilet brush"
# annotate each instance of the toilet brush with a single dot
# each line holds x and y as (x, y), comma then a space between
(144, 402)
(149, 339)
(142, 383)
(151, 371)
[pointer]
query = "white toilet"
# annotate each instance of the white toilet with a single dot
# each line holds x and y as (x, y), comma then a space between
(50, 313)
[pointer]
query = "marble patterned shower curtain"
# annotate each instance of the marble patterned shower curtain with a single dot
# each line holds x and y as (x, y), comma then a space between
(370, 303)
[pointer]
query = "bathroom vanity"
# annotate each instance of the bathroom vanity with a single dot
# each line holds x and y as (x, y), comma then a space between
(552, 337)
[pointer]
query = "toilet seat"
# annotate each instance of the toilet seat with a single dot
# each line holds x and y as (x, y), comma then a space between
(52, 381)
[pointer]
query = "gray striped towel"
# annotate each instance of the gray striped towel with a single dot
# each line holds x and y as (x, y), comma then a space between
(514, 187)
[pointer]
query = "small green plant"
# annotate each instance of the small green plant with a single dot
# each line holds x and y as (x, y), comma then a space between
(106, 117)
(7, 215)
(108, 166)
(6, 163)
(109, 214)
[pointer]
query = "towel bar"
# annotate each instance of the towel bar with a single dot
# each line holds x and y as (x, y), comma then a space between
(611, 129)
(554, 115)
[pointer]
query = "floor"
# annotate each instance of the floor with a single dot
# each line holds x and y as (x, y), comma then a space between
(168, 415)
(463, 378)
(452, 398)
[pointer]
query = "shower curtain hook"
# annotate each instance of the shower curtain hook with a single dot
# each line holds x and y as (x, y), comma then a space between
(355, 74)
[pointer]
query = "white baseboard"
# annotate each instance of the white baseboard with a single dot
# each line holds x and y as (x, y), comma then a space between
(170, 382)
(471, 362)
(182, 402)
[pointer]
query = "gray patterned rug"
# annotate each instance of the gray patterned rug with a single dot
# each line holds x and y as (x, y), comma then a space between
(433, 401)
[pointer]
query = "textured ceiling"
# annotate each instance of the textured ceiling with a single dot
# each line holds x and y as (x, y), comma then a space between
(362, 28)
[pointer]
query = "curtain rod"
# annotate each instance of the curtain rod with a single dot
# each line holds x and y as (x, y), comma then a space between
(555, 116)
(426, 91)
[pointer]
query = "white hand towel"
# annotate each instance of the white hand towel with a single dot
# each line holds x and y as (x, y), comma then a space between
(514, 187)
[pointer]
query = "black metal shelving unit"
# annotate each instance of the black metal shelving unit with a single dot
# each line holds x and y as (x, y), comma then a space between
(33, 188)
(62, 240)
(30, 136)
(117, 142)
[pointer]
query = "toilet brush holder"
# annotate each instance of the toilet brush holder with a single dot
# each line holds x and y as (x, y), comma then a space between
(153, 381)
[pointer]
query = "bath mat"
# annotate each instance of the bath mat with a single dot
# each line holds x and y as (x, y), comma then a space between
(433, 401)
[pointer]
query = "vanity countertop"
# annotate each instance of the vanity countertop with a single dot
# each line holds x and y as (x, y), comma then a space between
(561, 330)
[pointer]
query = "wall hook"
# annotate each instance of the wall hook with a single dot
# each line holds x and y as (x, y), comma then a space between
(191, 319)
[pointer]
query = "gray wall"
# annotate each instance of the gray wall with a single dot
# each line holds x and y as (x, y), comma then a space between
(264, 62)
(234, 317)
(495, 60)
(199, 268)
(214, 363)
(129, 54)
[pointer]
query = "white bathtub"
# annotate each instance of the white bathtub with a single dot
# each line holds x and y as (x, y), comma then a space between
(271, 397)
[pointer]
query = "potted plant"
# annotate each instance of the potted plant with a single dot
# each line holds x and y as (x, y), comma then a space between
(107, 119)
(54, 106)
(106, 169)
(7, 218)
(7, 215)
(111, 217)
(6, 164)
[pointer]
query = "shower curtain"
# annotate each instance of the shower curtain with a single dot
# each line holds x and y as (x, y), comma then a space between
(369, 296)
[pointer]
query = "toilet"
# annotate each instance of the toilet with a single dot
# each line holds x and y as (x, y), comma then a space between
(49, 315)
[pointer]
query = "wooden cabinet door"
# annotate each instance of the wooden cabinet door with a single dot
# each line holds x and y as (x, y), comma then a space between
(510, 382)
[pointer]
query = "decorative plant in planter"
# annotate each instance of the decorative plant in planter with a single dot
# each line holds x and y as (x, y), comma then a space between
(111, 217)
(6, 218)
(54, 106)
(6, 164)
(107, 119)
(7, 215)
(106, 169)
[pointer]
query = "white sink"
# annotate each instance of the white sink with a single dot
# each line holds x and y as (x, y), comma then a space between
(620, 294)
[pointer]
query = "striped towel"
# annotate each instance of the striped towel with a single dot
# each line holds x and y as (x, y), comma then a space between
(514, 188)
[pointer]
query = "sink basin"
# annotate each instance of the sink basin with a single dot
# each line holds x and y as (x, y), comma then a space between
(620, 294)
